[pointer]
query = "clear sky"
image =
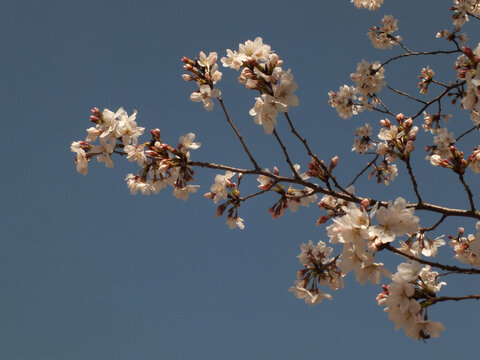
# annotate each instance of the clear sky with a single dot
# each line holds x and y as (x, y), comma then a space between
(88, 271)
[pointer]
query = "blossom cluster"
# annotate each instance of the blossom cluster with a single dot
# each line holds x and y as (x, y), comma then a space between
(261, 71)
(456, 160)
(354, 229)
(401, 298)
(225, 188)
(369, 79)
(160, 163)
(426, 78)
(114, 131)
(319, 270)
(397, 139)
(467, 249)
(462, 8)
(381, 37)
(468, 69)
(204, 71)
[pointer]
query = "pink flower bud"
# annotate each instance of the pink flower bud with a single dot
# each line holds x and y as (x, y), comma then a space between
(461, 230)
(221, 210)
(413, 133)
(151, 154)
(209, 195)
(364, 204)
(155, 134)
(247, 73)
(251, 84)
(409, 147)
(322, 220)
(400, 117)
(408, 123)
(467, 51)
(461, 73)
(96, 112)
(385, 123)
(273, 59)
(334, 162)
(94, 119)
(275, 170)
(186, 60)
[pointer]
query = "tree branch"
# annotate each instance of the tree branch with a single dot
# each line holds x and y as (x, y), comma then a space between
(450, 268)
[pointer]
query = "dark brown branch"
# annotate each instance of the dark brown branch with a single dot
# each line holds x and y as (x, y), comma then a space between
(417, 53)
(450, 268)
(434, 300)
(345, 196)
(472, 15)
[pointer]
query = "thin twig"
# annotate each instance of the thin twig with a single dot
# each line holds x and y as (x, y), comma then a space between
(405, 94)
(467, 132)
(469, 192)
(287, 157)
(438, 98)
(386, 109)
(435, 225)
(239, 136)
(253, 195)
(363, 170)
(412, 178)
(312, 155)
(416, 53)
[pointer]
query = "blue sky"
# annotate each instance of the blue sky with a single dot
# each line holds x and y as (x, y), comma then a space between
(88, 271)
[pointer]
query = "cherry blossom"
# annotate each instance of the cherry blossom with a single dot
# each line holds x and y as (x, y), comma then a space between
(204, 95)
(360, 227)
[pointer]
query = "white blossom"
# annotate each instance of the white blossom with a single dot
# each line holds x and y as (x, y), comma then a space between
(187, 142)
(81, 158)
(368, 78)
(219, 188)
(104, 150)
(127, 127)
(235, 221)
(204, 95)
(310, 297)
(283, 92)
(135, 153)
(395, 220)
(264, 113)
(343, 101)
